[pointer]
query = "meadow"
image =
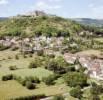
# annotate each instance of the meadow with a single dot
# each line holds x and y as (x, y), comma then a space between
(12, 88)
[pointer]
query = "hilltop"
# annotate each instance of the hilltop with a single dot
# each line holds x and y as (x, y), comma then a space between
(39, 24)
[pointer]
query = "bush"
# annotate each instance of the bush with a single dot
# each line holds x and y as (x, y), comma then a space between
(13, 67)
(32, 65)
(30, 85)
(96, 89)
(36, 80)
(74, 79)
(9, 57)
(76, 92)
(24, 55)
(16, 57)
(94, 97)
(7, 77)
(58, 97)
(40, 53)
(32, 79)
(49, 80)
(32, 97)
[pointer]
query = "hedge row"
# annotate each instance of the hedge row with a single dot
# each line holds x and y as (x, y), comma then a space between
(32, 97)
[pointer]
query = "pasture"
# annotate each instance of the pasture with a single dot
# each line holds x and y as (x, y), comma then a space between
(12, 88)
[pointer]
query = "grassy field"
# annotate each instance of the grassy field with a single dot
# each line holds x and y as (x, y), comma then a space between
(22, 64)
(13, 89)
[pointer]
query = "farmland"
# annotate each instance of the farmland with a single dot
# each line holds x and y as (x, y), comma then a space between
(58, 58)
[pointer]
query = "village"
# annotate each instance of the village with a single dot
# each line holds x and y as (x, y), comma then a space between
(56, 46)
(94, 66)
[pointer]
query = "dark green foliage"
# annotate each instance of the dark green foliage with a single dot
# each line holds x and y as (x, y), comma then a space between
(40, 53)
(13, 67)
(57, 65)
(74, 79)
(32, 97)
(49, 80)
(58, 97)
(96, 89)
(33, 65)
(7, 77)
(32, 79)
(24, 55)
(30, 85)
(76, 92)
(94, 97)
(16, 57)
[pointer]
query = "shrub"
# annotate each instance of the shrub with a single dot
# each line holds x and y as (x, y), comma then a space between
(9, 57)
(32, 65)
(13, 67)
(58, 97)
(24, 55)
(74, 79)
(16, 57)
(49, 80)
(40, 53)
(32, 97)
(76, 92)
(36, 80)
(7, 77)
(30, 85)
(96, 89)
(32, 79)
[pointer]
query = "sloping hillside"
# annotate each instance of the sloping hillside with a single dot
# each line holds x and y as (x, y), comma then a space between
(45, 25)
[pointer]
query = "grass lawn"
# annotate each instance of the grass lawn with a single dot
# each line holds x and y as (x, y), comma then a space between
(13, 89)
(38, 72)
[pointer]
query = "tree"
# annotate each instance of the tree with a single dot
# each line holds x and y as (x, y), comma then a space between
(76, 92)
(96, 89)
(94, 97)
(49, 80)
(7, 77)
(58, 97)
(30, 85)
(32, 65)
(13, 67)
(57, 65)
(74, 79)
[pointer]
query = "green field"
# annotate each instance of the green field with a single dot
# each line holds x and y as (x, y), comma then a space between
(14, 89)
